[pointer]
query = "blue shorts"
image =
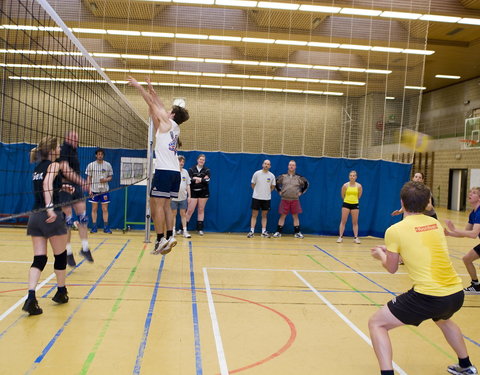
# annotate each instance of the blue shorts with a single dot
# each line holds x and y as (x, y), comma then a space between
(102, 198)
(179, 205)
(165, 184)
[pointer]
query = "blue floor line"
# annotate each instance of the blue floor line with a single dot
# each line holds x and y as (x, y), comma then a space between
(196, 327)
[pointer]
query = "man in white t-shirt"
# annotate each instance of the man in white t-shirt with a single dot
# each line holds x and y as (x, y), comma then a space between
(263, 182)
(181, 202)
(166, 180)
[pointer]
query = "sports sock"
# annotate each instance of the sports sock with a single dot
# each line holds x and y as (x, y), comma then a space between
(464, 362)
(105, 225)
(159, 236)
(31, 294)
(169, 234)
(296, 229)
(62, 289)
(252, 230)
(69, 248)
(386, 372)
(475, 282)
(85, 245)
(264, 230)
(279, 228)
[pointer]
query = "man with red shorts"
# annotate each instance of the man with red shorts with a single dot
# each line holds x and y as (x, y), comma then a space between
(290, 186)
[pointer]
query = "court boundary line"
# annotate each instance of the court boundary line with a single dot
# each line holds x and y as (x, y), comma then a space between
(196, 324)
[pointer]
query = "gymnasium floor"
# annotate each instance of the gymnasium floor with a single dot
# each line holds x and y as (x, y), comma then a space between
(217, 304)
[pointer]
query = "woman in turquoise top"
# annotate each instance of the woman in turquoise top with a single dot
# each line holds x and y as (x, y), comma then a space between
(351, 193)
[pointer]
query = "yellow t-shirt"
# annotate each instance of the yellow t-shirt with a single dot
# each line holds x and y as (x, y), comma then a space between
(351, 195)
(421, 242)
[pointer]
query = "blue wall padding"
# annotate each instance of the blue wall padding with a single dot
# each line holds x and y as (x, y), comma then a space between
(228, 209)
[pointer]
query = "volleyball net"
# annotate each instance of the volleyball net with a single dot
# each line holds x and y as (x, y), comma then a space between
(50, 86)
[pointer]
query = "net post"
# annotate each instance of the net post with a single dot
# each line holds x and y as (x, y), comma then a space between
(148, 215)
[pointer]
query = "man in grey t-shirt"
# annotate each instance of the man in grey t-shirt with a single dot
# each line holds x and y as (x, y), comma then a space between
(263, 182)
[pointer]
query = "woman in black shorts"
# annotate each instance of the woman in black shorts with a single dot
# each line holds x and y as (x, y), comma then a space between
(46, 223)
(200, 177)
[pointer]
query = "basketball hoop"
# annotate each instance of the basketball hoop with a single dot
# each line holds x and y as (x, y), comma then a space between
(471, 142)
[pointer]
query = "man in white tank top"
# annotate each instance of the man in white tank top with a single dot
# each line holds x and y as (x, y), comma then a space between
(166, 181)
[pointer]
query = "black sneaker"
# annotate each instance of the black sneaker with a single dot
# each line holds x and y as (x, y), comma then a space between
(472, 289)
(60, 297)
(71, 260)
(87, 255)
(457, 370)
(31, 306)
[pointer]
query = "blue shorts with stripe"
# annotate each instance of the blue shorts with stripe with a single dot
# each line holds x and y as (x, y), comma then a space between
(165, 184)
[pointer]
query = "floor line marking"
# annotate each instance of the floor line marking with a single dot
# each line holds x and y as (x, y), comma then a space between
(196, 326)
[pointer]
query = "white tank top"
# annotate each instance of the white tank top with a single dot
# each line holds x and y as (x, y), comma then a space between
(166, 148)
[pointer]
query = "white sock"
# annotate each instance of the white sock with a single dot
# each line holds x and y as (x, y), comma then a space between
(69, 249)
(264, 230)
(84, 245)
(252, 229)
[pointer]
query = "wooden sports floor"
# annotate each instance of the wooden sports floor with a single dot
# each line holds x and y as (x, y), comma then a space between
(218, 304)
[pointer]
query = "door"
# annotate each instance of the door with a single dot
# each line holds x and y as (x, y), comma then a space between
(457, 189)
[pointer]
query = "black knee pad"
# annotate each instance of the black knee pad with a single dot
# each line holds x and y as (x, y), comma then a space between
(60, 261)
(39, 261)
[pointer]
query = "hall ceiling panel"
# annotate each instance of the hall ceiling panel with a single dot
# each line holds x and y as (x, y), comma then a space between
(471, 4)
(285, 20)
(124, 9)
(126, 45)
(266, 51)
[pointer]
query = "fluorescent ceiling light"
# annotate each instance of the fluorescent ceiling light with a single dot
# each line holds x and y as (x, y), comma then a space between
(324, 67)
(361, 12)
(272, 89)
(171, 72)
(293, 91)
(274, 5)
(158, 35)
(333, 93)
(378, 71)
(218, 75)
(387, 49)
(390, 97)
(227, 38)
(258, 40)
(190, 59)
(231, 87)
(447, 76)
(245, 62)
(49, 28)
(218, 61)
(261, 77)
(252, 88)
(89, 31)
(124, 32)
(189, 73)
(312, 80)
(319, 8)
(237, 3)
(355, 46)
(418, 51)
(313, 92)
(195, 85)
(117, 70)
(404, 15)
(415, 87)
(206, 2)
(276, 64)
(358, 70)
(210, 86)
(332, 81)
(243, 76)
(113, 55)
(20, 27)
(291, 42)
(470, 21)
(138, 57)
(300, 66)
(432, 17)
(191, 36)
(326, 45)
(353, 83)
(284, 79)
(166, 58)
(145, 71)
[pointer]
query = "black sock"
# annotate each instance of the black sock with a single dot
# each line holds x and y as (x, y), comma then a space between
(199, 225)
(475, 281)
(31, 294)
(279, 228)
(62, 289)
(105, 224)
(296, 229)
(159, 236)
(169, 234)
(464, 362)
(386, 372)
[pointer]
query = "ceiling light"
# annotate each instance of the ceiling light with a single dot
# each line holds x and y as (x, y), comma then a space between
(20, 27)
(276, 64)
(418, 51)
(390, 97)
(326, 45)
(144, 71)
(158, 35)
(291, 42)
(49, 28)
(227, 38)
(138, 57)
(218, 75)
(124, 32)
(191, 36)
(261, 77)
(333, 93)
(231, 87)
(313, 92)
(432, 17)
(117, 70)
(319, 8)
(258, 40)
(284, 79)
(90, 31)
(332, 81)
(210, 86)
(470, 21)
(195, 85)
(190, 73)
(252, 88)
(404, 15)
(236, 3)
(387, 49)
(166, 58)
(293, 91)
(358, 70)
(245, 62)
(190, 59)
(353, 83)
(300, 66)
(243, 76)
(415, 87)
(447, 76)
(271, 89)
(355, 46)
(313, 80)
(361, 12)
(378, 71)
(324, 67)
(218, 61)
(274, 5)
(113, 55)
(171, 72)
(206, 2)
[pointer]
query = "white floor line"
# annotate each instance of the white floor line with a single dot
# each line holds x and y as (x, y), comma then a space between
(21, 300)
(344, 318)
(313, 271)
(222, 361)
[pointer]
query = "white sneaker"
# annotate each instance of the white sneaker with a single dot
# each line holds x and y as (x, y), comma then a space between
(159, 246)
(250, 235)
(277, 235)
(339, 240)
(186, 234)
(180, 231)
(266, 234)
(200, 233)
(172, 241)
(357, 240)
(298, 235)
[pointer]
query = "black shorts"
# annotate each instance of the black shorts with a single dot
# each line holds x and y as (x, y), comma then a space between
(37, 226)
(350, 206)
(65, 197)
(412, 308)
(477, 249)
(260, 204)
(165, 184)
(203, 193)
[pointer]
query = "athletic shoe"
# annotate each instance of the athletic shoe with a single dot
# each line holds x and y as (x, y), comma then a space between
(472, 289)
(172, 241)
(94, 229)
(31, 306)
(200, 233)
(339, 240)
(266, 234)
(186, 234)
(60, 297)
(277, 235)
(180, 231)
(159, 245)
(250, 235)
(107, 230)
(457, 370)
(298, 235)
(357, 240)
(71, 260)
(87, 255)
